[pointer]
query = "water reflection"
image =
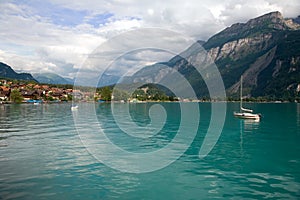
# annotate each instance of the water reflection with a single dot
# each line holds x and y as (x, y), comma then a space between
(298, 114)
(247, 126)
(250, 125)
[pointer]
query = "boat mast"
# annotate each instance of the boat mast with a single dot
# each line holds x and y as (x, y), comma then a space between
(241, 93)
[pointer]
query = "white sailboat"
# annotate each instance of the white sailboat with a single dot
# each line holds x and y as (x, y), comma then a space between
(244, 112)
(74, 107)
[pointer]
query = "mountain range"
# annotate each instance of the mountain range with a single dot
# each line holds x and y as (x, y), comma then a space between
(265, 51)
(6, 71)
(51, 78)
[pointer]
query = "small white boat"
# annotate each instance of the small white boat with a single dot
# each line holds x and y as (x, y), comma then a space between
(245, 113)
(73, 108)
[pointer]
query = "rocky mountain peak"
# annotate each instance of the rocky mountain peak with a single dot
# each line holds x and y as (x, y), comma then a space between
(273, 16)
(274, 20)
(264, 24)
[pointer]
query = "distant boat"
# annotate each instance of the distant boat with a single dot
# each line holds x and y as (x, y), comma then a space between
(34, 101)
(244, 112)
(75, 107)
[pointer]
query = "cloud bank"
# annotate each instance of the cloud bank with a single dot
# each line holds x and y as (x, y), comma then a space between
(58, 35)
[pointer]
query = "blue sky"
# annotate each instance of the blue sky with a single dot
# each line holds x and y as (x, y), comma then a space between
(58, 35)
(64, 16)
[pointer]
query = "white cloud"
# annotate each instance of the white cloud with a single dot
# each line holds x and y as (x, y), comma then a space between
(116, 27)
(58, 37)
(53, 46)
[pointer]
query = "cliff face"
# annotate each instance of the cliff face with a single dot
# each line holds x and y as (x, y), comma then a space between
(237, 49)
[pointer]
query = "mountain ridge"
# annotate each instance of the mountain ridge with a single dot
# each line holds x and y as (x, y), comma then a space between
(7, 72)
(265, 50)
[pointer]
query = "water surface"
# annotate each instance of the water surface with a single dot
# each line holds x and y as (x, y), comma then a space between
(42, 156)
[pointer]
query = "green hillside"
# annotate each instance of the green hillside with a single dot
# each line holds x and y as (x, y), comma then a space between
(7, 72)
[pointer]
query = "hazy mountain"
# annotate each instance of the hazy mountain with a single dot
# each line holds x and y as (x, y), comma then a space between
(7, 72)
(107, 79)
(265, 50)
(51, 78)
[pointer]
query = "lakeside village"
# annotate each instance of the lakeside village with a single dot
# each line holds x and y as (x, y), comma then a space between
(22, 91)
(18, 91)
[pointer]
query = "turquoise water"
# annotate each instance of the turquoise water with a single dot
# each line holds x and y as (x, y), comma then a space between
(42, 156)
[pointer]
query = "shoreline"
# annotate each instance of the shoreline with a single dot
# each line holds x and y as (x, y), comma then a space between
(139, 102)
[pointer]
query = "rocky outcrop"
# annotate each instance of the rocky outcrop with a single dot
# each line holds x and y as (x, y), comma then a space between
(237, 48)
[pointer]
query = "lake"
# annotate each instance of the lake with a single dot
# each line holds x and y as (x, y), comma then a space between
(46, 152)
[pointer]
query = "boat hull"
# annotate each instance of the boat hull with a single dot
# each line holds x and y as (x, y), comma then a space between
(243, 115)
(73, 108)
